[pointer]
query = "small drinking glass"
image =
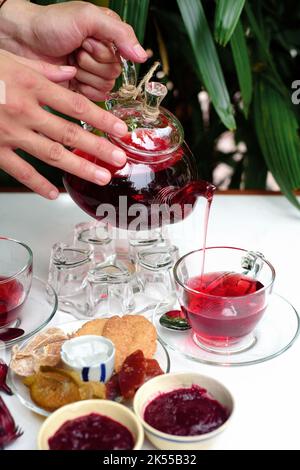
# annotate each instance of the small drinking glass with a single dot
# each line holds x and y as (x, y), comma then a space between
(111, 289)
(69, 267)
(155, 270)
(140, 241)
(224, 293)
(97, 236)
(15, 278)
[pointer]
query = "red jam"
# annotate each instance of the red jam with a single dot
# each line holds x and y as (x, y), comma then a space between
(92, 432)
(185, 412)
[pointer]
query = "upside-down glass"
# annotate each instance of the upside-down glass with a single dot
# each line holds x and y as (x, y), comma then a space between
(68, 271)
(155, 269)
(15, 278)
(225, 302)
(97, 236)
(111, 289)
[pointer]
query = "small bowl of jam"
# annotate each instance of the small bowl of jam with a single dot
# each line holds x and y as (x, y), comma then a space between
(91, 425)
(183, 411)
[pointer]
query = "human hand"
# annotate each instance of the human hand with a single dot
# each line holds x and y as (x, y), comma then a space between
(24, 124)
(74, 33)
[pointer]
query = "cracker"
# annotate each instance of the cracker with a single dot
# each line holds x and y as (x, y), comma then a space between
(93, 327)
(130, 333)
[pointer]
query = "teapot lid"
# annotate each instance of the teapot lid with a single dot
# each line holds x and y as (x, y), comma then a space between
(151, 128)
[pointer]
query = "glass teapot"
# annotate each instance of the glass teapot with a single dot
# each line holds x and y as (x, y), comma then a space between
(159, 183)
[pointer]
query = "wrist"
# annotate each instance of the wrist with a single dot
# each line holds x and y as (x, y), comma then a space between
(16, 17)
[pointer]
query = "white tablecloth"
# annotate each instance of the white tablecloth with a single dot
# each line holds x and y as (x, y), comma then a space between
(267, 395)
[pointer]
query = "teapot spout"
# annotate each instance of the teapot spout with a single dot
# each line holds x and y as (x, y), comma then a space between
(195, 189)
(186, 195)
(191, 191)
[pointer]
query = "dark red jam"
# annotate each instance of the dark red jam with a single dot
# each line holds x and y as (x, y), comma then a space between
(185, 412)
(92, 432)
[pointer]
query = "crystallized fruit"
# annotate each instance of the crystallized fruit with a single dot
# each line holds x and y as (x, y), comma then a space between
(135, 371)
(52, 388)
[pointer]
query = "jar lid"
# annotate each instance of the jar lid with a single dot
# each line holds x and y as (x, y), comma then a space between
(151, 128)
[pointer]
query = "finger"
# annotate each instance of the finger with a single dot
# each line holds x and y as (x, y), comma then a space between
(104, 27)
(86, 62)
(79, 107)
(94, 81)
(56, 155)
(55, 73)
(88, 91)
(101, 52)
(26, 174)
(71, 135)
(110, 13)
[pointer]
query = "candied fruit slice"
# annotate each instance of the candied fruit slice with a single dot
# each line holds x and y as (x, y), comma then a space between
(133, 374)
(113, 388)
(152, 369)
(51, 390)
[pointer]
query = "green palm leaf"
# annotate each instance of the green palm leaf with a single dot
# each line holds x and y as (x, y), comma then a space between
(277, 131)
(242, 65)
(134, 13)
(264, 48)
(208, 63)
(227, 16)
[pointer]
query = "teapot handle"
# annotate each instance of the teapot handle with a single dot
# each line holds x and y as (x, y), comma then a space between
(129, 77)
(128, 87)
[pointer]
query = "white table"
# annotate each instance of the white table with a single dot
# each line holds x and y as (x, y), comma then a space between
(267, 395)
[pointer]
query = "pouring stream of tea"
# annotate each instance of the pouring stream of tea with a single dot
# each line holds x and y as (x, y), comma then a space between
(187, 195)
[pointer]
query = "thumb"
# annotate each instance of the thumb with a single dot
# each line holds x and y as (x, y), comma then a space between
(55, 73)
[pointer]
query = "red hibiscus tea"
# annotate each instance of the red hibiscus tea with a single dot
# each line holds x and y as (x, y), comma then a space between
(11, 298)
(223, 309)
(224, 293)
(15, 278)
(138, 182)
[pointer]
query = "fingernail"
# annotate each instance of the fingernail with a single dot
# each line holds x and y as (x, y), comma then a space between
(102, 176)
(53, 194)
(120, 128)
(88, 46)
(140, 51)
(118, 158)
(67, 68)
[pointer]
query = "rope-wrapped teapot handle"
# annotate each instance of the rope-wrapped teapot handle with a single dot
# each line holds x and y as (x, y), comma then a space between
(129, 88)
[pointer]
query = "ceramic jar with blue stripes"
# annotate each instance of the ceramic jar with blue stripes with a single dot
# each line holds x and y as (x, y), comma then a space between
(91, 356)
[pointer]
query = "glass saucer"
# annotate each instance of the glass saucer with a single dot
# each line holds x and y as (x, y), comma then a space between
(275, 333)
(36, 312)
(22, 392)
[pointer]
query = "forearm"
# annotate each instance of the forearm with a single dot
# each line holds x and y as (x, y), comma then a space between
(15, 23)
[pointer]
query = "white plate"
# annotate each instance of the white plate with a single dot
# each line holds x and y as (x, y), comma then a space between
(23, 394)
(275, 333)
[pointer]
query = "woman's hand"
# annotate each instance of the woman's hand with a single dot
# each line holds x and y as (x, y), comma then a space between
(71, 33)
(26, 86)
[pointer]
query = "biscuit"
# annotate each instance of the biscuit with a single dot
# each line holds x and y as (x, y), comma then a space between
(93, 327)
(129, 334)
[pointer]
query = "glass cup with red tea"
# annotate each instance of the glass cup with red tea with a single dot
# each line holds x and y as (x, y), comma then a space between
(15, 279)
(224, 293)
